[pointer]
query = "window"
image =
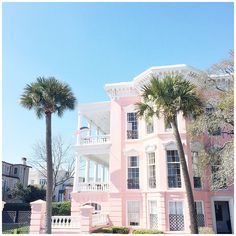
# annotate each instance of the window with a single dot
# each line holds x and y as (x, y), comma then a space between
(149, 126)
(200, 214)
(197, 183)
(132, 126)
(42, 181)
(173, 164)
(167, 125)
(218, 181)
(153, 216)
(133, 172)
(151, 170)
(15, 171)
(209, 110)
(176, 217)
(133, 212)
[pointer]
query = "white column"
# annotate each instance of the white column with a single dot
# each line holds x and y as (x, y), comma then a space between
(89, 124)
(77, 170)
(102, 173)
(87, 167)
(95, 172)
(79, 126)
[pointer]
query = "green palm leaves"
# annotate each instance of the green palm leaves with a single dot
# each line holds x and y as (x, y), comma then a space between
(169, 96)
(48, 95)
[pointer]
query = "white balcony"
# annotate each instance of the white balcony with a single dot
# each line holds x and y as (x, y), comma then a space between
(93, 187)
(91, 140)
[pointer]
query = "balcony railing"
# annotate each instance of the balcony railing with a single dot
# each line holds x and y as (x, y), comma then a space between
(93, 187)
(94, 139)
(65, 222)
(99, 219)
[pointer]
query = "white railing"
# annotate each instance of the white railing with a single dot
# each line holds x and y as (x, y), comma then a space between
(99, 187)
(99, 219)
(94, 139)
(65, 222)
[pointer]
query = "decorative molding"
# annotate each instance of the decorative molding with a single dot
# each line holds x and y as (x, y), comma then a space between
(150, 148)
(132, 151)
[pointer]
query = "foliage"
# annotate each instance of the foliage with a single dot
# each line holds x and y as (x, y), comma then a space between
(15, 228)
(17, 207)
(62, 158)
(28, 194)
(120, 230)
(218, 123)
(61, 208)
(147, 231)
(206, 230)
(113, 230)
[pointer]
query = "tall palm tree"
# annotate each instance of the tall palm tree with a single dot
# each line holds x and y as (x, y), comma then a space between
(168, 97)
(47, 96)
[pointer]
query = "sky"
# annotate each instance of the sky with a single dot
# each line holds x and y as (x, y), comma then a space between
(90, 44)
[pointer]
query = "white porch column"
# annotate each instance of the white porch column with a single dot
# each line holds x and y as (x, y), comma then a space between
(95, 172)
(78, 129)
(102, 173)
(89, 124)
(87, 167)
(77, 170)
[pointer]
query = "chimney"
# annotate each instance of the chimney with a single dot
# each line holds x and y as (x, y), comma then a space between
(23, 160)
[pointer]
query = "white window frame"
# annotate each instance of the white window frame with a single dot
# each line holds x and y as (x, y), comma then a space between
(127, 213)
(126, 127)
(148, 124)
(173, 188)
(194, 163)
(148, 170)
(127, 169)
(183, 210)
(149, 212)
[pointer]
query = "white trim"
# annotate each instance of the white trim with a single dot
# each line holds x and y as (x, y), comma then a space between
(230, 200)
(183, 209)
(133, 226)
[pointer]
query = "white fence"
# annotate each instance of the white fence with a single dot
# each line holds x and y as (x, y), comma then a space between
(65, 222)
(99, 219)
(103, 187)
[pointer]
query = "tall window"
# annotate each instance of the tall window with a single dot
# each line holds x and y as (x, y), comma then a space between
(133, 213)
(167, 125)
(149, 126)
(42, 181)
(173, 164)
(151, 170)
(196, 175)
(176, 217)
(132, 126)
(153, 214)
(200, 214)
(218, 180)
(15, 170)
(133, 172)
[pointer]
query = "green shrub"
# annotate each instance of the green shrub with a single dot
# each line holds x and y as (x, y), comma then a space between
(120, 230)
(17, 207)
(147, 231)
(205, 230)
(61, 208)
(107, 230)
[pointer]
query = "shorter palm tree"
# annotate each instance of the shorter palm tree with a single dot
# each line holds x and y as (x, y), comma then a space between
(168, 97)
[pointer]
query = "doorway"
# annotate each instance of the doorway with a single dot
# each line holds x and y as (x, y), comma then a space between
(222, 216)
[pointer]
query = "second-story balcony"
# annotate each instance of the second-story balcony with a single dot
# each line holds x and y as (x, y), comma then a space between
(101, 139)
(93, 187)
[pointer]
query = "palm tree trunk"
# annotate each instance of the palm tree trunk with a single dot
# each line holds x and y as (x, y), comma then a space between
(189, 191)
(48, 228)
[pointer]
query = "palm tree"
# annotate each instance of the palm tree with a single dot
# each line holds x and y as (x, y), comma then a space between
(47, 96)
(168, 97)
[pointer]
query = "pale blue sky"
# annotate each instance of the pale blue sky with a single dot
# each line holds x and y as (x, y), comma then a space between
(90, 44)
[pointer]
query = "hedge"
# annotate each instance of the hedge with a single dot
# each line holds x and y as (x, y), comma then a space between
(147, 231)
(113, 230)
(61, 208)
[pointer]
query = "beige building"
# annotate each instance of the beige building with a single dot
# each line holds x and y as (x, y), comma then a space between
(11, 174)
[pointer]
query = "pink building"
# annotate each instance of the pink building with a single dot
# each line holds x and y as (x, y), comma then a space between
(132, 170)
